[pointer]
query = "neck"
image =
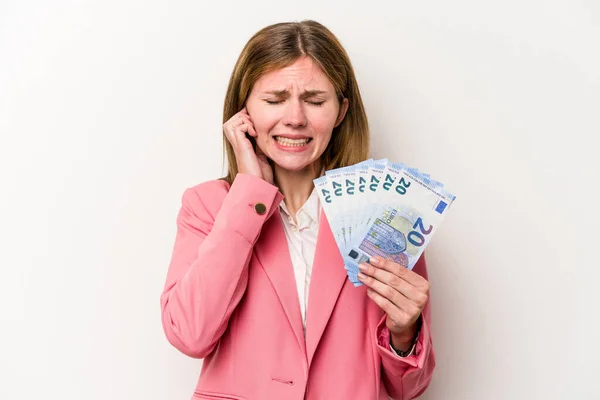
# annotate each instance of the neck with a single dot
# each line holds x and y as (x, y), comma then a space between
(296, 186)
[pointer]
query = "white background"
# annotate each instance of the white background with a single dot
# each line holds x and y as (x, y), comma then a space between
(110, 109)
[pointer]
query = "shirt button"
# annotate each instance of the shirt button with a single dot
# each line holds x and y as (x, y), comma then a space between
(260, 208)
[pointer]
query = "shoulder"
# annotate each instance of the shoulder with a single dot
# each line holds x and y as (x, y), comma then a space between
(206, 196)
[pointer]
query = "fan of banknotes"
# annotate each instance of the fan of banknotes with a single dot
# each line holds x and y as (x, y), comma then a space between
(379, 208)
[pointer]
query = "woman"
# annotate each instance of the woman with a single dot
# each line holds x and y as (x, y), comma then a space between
(256, 285)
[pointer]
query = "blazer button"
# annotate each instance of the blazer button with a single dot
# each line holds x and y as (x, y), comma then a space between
(260, 208)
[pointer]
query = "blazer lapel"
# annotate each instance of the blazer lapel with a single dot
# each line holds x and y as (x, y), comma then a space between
(271, 249)
(328, 278)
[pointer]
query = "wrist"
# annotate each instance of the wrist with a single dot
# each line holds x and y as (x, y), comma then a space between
(403, 342)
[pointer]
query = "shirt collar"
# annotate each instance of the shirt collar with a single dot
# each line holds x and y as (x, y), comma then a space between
(312, 207)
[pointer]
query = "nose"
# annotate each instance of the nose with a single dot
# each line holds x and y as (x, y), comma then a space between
(294, 115)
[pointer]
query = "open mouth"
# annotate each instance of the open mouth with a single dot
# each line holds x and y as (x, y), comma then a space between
(284, 141)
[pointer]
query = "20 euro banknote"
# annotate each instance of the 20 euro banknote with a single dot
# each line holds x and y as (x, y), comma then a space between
(403, 221)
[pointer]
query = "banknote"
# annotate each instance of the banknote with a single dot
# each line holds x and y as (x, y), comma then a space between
(403, 223)
(323, 188)
(362, 178)
(336, 180)
(382, 208)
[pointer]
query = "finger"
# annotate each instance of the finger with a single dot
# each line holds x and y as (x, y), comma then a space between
(237, 120)
(401, 300)
(233, 125)
(236, 136)
(230, 126)
(244, 119)
(241, 119)
(230, 134)
(406, 274)
(251, 130)
(393, 311)
(245, 113)
(240, 134)
(398, 317)
(406, 289)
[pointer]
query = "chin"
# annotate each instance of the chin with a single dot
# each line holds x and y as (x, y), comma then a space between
(292, 165)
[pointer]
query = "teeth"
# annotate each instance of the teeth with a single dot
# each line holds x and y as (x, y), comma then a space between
(291, 142)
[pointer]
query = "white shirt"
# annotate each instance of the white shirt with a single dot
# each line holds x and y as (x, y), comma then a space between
(302, 242)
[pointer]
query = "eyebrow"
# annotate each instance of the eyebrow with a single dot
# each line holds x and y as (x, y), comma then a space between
(285, 93)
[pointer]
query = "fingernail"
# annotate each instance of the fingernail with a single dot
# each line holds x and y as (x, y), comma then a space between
(361, 276)
(362, 267)
(374, 260)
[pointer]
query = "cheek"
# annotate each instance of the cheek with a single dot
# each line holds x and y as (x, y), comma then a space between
(265, 120)
(323, 124)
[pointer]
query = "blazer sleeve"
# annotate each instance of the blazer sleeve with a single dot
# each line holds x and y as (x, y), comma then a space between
(408, 377)
(208, 272)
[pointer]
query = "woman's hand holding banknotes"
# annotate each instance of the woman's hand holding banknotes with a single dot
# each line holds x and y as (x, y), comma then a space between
(398, 291)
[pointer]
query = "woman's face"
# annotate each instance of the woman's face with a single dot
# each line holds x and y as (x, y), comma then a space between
(294, 111)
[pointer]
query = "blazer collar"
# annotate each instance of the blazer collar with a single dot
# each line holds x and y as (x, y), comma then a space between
(328, 278)
(271, 249)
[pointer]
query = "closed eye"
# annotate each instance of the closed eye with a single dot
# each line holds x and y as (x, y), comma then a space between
(314, 103)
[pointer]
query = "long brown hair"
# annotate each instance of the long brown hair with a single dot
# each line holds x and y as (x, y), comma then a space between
(280, 45)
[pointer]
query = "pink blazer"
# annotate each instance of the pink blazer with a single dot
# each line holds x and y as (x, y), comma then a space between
(230, 298)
